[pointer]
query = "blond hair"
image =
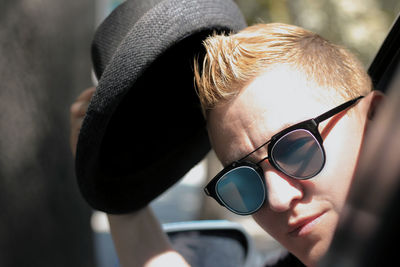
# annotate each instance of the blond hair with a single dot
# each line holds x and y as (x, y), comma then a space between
(233, 60)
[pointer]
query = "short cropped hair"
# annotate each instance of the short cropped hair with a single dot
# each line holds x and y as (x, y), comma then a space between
(231, 61)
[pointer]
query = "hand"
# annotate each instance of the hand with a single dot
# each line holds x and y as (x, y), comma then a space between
(140, 241)
(77, 113)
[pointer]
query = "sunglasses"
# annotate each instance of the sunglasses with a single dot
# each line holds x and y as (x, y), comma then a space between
(296, 151)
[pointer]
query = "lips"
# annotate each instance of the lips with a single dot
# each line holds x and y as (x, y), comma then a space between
(304, 225)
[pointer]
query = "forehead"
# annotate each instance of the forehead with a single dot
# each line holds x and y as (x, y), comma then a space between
(272, 101)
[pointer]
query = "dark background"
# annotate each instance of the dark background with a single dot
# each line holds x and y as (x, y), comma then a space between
(44, 64)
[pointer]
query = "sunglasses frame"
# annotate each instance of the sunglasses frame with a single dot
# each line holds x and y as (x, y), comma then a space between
(310, 125)
(211, 188)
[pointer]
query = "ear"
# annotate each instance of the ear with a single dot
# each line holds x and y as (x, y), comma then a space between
(371, 102)
(377, 98)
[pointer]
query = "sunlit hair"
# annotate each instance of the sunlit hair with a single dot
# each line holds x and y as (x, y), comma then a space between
(232, 61)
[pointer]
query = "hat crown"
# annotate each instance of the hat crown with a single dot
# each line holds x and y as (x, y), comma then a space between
(144, 129)
(113, 30)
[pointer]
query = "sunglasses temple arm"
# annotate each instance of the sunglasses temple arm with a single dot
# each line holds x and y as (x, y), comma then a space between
(336, 110)
(255, 150)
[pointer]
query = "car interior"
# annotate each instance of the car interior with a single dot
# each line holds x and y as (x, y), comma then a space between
(368, 232)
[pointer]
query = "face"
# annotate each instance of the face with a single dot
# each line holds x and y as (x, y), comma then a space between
(301, 214)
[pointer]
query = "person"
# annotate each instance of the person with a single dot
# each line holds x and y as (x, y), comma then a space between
(286, 114)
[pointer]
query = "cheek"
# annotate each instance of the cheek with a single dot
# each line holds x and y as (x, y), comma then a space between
(341, 148)
(265, 219)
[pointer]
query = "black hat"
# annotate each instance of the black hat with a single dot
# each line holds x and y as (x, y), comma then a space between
(143, 129)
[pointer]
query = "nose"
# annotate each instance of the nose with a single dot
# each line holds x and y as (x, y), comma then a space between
(282, 191)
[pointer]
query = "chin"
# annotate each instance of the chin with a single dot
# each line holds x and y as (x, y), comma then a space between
(314, 257)
(315, 253)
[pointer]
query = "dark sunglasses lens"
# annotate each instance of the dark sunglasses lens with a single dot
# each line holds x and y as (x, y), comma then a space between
(241, 190)
(298, 154)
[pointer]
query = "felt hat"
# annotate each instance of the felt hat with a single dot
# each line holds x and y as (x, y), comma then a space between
(143, 129)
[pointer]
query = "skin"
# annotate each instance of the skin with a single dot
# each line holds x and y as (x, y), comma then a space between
(301, 214)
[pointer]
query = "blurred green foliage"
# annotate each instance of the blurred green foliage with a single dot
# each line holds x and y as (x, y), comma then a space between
(359, 25)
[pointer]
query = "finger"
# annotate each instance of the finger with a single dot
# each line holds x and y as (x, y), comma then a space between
(87, 94)
(79, 108)
(75, 129)
(76, 123)
(77, 112)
